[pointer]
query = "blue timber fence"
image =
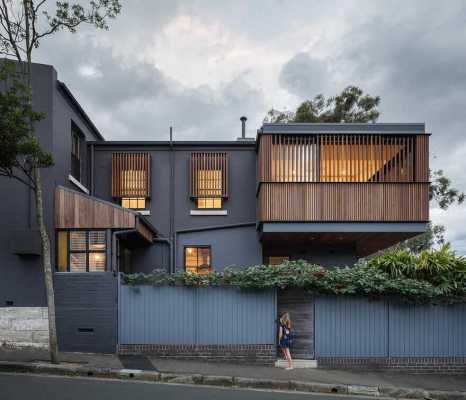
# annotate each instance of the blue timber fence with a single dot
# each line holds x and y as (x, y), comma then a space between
(358, 327)
(170, 315)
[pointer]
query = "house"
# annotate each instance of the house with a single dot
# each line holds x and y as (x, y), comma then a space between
(326, 193)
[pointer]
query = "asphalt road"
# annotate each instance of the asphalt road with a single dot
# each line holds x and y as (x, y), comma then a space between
(43, 387)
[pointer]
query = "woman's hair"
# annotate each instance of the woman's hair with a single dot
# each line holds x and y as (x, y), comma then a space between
(285, 319)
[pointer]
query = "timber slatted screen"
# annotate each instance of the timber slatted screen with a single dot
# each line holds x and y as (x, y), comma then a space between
(130, 175)
(422, 158)
(342, 158)
(334, 202)
(209, 175)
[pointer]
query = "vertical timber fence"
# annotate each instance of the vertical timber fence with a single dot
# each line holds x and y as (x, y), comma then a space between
(355, 331)
(215, 323)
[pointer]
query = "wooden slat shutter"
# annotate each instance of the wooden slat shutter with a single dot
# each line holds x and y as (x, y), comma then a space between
(131, 175)
(208, 174)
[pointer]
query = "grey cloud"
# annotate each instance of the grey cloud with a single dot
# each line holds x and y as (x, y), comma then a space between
(139, 101)
(305, 76)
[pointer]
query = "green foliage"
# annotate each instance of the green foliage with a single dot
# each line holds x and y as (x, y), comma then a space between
(428, 277)
(441, 268)
(433, 237)
(21, 151)
(442, 192)
(351, 105)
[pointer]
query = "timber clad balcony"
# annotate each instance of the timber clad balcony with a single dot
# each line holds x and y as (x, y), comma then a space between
(338, 202)
(343, 177)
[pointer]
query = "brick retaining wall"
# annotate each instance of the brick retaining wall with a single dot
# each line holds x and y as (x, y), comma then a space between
(248, 354)
(24, 327)
(412, 364)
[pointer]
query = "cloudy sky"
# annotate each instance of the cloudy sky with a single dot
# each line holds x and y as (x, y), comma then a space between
(200, 65)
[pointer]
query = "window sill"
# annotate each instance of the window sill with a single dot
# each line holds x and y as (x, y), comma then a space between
(73, 180)
(208, 212)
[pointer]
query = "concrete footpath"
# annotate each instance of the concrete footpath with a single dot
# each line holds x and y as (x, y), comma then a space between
(354, 382)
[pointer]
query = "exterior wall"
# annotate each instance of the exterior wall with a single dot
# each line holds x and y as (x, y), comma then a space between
(215, 323)
(86, 312)
(239, 353)
(333, 255)
(388, 334)
(22, 279)
(230, 247)
(24, 327)
(240, 205)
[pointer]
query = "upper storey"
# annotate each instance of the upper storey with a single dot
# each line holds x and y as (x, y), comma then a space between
(343, 173)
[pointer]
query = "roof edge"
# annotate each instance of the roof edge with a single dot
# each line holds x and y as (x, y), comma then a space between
(417, 128)
(75, 103)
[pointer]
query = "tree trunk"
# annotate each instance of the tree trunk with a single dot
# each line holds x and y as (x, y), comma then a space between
(47, 262)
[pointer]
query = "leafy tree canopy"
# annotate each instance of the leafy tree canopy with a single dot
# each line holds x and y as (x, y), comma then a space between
(351, 105)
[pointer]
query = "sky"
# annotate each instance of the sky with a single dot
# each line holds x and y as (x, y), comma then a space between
(200, 65)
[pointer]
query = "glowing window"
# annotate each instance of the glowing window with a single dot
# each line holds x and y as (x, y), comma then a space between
(277, 260)
(81, 251)
(137, 203)
(197, 259)
(209, 202)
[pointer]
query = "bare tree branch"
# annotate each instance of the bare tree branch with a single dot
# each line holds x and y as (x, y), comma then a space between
(6, 17)
(9, 174)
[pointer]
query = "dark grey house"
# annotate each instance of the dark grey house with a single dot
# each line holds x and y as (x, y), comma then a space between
(327, 193)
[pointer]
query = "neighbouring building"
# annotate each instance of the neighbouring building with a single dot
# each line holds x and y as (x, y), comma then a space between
(326, 193)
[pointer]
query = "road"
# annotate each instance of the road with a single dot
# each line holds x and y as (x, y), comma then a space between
(44, 387)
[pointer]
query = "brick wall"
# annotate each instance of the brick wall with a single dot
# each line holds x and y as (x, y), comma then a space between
(24, 327)
(264, 354)
(413, 364)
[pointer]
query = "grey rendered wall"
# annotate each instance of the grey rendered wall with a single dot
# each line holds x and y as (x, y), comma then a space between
(358, 327)
(86, 312)
(241, 205)
(209, 316)
(22, 278)
(22, 281)
(230, 247)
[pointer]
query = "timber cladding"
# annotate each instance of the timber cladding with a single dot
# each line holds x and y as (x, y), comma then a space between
(130, 175)
(343, 177)
(208, 174)
(336, 202)
(76, 210)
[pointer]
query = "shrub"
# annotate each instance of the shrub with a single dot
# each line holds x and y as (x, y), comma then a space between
(428, 277)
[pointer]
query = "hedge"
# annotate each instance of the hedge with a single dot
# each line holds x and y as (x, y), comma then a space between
(380, 276)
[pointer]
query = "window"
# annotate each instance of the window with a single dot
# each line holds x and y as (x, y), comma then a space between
(131, 179)
(197, 259)
(209, 186)
(209, 202)
(137, 203)
(277, 260)
(75, 152)
(82, 251)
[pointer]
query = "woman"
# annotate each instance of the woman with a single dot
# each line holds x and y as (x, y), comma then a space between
(284, 338)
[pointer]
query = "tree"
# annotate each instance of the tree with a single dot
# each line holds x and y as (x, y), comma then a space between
(434, 236)
(444, 195)
(351, 105)
(24, 24)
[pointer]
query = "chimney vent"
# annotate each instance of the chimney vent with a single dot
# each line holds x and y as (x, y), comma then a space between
(243, 120)
(243, 137)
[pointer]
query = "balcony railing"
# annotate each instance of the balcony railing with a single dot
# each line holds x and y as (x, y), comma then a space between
(343, 202)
